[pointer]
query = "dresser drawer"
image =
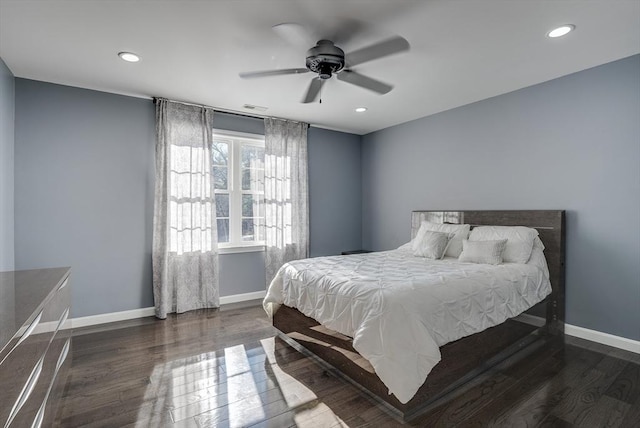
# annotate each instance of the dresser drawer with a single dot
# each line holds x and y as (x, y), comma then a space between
(62, 346)
(26, 368)
(36, 412)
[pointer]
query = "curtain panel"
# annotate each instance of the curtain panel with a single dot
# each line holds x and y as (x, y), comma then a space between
(185, 249)
(286, 194)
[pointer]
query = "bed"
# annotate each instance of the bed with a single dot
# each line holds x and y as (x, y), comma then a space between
(373, 322)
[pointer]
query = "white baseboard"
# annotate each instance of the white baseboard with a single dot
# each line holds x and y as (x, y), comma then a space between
(604, 338)
(148, 312)
(109, 317)
(587, 334)
(235, 298)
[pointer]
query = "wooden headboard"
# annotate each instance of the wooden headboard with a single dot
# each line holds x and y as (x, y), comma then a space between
(551, 229)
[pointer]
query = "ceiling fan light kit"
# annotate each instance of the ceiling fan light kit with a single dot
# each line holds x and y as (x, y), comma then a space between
(326, 59)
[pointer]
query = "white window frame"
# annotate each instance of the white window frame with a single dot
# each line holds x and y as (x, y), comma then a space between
(237, 140)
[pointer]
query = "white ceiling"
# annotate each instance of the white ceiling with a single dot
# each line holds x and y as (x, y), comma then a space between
(461, 51)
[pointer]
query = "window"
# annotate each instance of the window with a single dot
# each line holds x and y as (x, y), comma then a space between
(238, 170)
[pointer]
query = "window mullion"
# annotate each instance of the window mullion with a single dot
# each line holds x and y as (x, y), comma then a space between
(236, 215)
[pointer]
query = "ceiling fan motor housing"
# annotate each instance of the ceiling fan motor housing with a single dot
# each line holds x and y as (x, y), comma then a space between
(325, 58)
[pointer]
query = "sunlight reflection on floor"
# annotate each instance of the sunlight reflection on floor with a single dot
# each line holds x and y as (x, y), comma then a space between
(235, 387)
(297, 395)
(245, 406)
(318, 416)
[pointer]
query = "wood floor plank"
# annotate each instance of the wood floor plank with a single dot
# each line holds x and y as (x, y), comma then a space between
(553, 422)
(524, 404)
(320, 416)
(213, 368)
(587, 390)
(632, 418)
(607, 412)
(283, 420)
(626, 387)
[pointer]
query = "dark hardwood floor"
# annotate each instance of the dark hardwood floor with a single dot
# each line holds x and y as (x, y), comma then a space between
(219, 368)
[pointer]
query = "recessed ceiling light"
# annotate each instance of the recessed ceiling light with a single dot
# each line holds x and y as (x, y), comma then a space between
(361, 109)
(129, 56)
(561, 31)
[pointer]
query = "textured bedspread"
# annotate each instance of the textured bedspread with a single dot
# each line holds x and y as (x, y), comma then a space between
(399, 309)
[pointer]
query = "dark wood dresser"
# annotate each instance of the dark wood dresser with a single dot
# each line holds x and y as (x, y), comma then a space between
(34, 349)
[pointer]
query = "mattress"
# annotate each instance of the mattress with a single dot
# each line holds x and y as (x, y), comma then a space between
(399, 309)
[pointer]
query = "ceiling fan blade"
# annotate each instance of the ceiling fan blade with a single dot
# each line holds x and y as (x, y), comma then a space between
(267, 73)
(364, 81)
(294, 34)
(387, 47)
(344, 30)
(314, 89)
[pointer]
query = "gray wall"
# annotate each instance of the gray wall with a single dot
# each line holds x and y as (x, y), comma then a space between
(335, 190)
(84, 168)
(572, 143)
(7, 109)
(84, 194)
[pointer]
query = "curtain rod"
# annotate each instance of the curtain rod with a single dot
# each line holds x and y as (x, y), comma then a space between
(233, 112)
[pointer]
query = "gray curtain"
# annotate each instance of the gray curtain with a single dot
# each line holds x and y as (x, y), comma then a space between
(286, 193)
(185, 248)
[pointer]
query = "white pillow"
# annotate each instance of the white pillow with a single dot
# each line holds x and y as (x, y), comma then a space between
(519, 240)
(537, 257)
(431, 245)
(486, 252)
(460, 232)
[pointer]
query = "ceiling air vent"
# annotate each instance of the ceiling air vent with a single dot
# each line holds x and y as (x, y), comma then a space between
(254, 108)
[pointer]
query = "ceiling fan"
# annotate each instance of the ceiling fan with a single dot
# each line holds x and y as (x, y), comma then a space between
(326, 59)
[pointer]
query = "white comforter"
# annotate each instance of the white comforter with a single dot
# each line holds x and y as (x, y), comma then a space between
(399, 308)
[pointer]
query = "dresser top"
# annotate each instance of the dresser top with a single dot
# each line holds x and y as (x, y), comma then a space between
(22, 294)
